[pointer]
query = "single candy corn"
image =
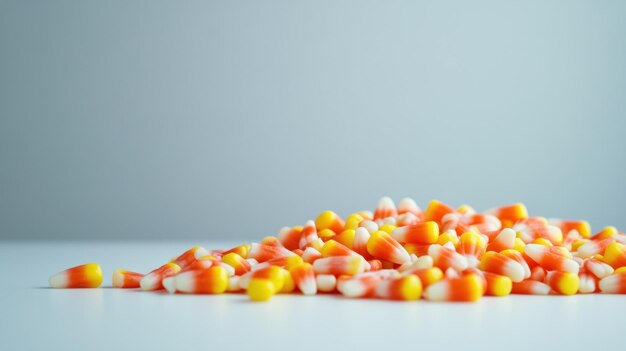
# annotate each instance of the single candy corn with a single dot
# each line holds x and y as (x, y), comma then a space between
(504, 240)
(382, 246)
(263, 253)
(498, 263)
(519, 258)
(310, 255)
(154, 279)
(352, 221)
(334, 248)
(83, 276)
(241, 250)
(436, 210)
(530, 287)
(239, 263)
(464, 288)
(418, 233)
(261, 289)
(329, 220)
(605, 233)
(615, 255)
(386, 208)
(326, 282)
(582, 227)
(549, 260)
(497, 285)
(339, 265)
(209, 281)
(587, 283)
(359, 243)
(445, 257)
(309, 236)
(614, 284)
(290, 237)
(594, 247)
(427, 276)
(274, 274)
(359, 286)
(190, 256)
(564, 283)
(598, 268)
(406, 288)
(125, 279)
(510, 213)
(472, 246)
(304, 278)
(408, 205)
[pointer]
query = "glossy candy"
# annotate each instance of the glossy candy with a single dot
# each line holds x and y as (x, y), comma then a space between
(125, 279)
(83, 276)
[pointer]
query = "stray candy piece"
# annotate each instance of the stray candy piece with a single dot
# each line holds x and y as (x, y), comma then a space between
(190, 256)
(125, 279)
(84, 276)
(154, 279)
(382, 246)
(466, 288)
(261, 289)
(564, 283)
(406, 288)
(209, 281)
(304, 278)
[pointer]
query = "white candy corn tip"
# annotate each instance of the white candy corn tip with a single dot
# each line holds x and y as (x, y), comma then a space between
(514, 270)
(233, 284)
(169, 284)
(200, 252)
(535, 251)
(610, 284)
(118, 278)
(437, 291)
(308, 286)
(570, 266)
(58, 280)
(588, 249)
(507, 237)
(386, 202)
(408, 204)
(587, 284)
(185, 282)
(149, 282)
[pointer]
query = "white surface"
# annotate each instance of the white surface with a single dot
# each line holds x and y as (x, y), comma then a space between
(34, 317)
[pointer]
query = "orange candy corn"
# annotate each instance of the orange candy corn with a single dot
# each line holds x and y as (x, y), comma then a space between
(83, 276)
(418, 233)
(436, 210)
(406, 288)
(209, 281)
(359, 286)
(445, 257)
(504, 240)
(239, 263)
(382, 246)
(497, 285)
(615, 255)
(340, 265)
(427, 276)
(333, 248)
(304, 278)
(125, 279)
(467, 288)
(564, 283)
(594, 247)
(588, 283)
(263, 253)
(598, 268)
(530, 287)
(290, 237)
(510, 213)
(549, 260)
(498, 263)
(310, 255)
(408, 205)
(386, 208)
(154, 279)
(359, 243)
(326, 282)
(329, 220)
(614, 284)
(566, 226)
(190, 256)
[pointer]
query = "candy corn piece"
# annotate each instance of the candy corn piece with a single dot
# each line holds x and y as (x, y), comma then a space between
(340, 265)
(564, 283)
(594, 247)
(382, 246)
(405, 288)
(427, 276)
(408, 205)
(154, 279)
(126, 279)
(587, 283)
(549, 260)
(510, 213)
(615, 255)
(209, 281)
(498, 263)
(464, 288)
(190, 256)
(304, 278)
(310, 255)
(582, 227)
(326, 282)
(329, 220)
(261, 289)
(290, 237)
(263, 253)
(386, 208)
(598, 268)
(436, 210)
(83, 276)
(530, 287)
(444, 258)
(359, 286)
(614, 284)
(497, 285)
(334, 248)
(504, 240)
(239, 263)
(418, 233)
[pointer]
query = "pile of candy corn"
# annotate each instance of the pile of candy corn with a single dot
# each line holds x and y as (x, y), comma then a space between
(400, 253)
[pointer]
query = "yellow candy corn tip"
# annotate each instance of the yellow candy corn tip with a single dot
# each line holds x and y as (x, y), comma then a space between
(542, 241)
(232, 259)
(325, 233)
(501, 286)
(288, 285)
(260, 289)
(446, 237)
(353, 220)
(325, 220)
(293, 261)
(519, 245)
(410, 288)
(475, 287)
(93, 274)
(346, 237)
(568, 284)
(620, 270)
(614, 252)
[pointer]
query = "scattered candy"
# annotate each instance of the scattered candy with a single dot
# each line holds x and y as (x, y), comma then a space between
(397, 253)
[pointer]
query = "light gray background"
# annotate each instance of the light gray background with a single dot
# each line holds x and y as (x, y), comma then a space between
(230, 119)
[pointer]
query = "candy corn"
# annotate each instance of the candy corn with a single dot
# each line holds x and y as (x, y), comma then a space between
(84, 276)
(126, 279)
